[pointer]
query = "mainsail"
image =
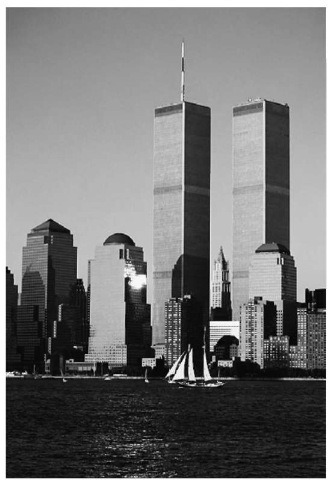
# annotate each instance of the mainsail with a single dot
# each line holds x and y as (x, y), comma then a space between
(190, 369)
(207, 375)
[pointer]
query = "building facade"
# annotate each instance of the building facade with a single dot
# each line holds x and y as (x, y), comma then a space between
(298, 353)
(276, 352)
(181, 226)
(257, 323)
(49, 272)
(310, 351)
(261, 186)
(316, 340)
(120, 330)
(30, 338)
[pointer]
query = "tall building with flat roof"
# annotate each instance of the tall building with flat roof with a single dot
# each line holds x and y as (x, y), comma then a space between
(316, 328)
(181, 243)
(49, 272)
(316, 339)
(310, 352)
(257, 324)
(180, 316)
(13, 358)
(120, 331)
(261, 186)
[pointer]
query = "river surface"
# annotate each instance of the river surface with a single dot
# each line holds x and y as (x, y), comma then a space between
(127, 428)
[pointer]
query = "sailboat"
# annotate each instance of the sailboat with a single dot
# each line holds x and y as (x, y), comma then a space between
(186, 377)
(146, 376)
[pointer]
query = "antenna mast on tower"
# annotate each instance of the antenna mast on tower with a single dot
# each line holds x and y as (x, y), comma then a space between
(182, 90)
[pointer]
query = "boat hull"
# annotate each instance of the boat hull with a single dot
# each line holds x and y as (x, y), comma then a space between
(200, 385)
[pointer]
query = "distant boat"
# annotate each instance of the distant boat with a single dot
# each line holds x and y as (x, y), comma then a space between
(36, 376)
(185, 377)
(146, 376)
(63, 378)
(219, 381)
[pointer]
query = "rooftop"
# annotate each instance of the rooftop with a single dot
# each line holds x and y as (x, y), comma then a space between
(259, 99)
(119, 238)
(272, 247)
(51, 226)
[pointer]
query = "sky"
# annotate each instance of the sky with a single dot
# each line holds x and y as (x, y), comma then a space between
(82, 86)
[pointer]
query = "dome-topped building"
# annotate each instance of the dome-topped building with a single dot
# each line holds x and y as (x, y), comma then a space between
(120, 331)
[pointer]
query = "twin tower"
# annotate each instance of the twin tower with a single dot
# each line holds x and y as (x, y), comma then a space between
(182, 167)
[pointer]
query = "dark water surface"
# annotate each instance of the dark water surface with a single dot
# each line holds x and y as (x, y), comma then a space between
(126, 428)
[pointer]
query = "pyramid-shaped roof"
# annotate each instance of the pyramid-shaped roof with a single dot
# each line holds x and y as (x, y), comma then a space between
(51, 226)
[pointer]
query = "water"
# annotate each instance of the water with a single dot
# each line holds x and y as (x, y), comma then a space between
(127, 428)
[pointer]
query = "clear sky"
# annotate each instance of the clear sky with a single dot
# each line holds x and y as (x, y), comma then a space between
(82, 86)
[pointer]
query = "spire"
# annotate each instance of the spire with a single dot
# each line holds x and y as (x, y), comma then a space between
(221, 259)
(182, 90)
(221, 255)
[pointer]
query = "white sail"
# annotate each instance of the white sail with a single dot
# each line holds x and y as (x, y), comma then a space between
(180, 373)
(207, 375)
(173, 369)
(190, 370)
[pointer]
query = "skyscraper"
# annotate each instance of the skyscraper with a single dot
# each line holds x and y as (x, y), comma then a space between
(261, 186)
(181, 223)
(49, 271)
(120, 331)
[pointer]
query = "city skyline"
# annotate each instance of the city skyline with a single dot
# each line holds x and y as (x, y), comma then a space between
(80, 132)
